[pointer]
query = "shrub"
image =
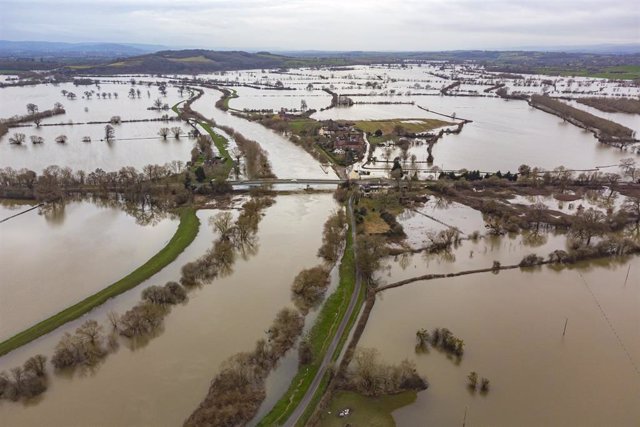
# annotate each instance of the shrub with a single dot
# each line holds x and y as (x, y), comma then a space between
(531, 260)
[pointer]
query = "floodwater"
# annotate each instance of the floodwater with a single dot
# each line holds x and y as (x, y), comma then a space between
(135, 144)
(54, 259)
(287, 159)
(512, 324)
(632, 121)
(436, 215)
(93, 109)
(162, 382)
(257, 99)
(472, 255)
(502, 136)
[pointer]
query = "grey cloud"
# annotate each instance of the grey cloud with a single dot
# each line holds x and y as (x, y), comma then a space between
(328, 24)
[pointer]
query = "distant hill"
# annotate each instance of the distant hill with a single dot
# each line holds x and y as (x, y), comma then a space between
(60, 50)
(127, 58)
(193, 61)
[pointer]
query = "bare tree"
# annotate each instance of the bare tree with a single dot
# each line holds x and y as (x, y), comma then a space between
(163, 132)
(630, 168)
(32, 108)
(109, 133)
(587, 224)
(36, 139)
(176, 131)
(61, 139)
(17, 138)
(36, 364)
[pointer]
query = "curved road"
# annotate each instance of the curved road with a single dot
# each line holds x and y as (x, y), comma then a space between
(326, 361)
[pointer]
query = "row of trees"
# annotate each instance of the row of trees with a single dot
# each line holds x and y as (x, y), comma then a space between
(239, 388)
(176, 131)
(333, 237)
(256, 159)
(54, 181)
(440, 338)
(605, 127)
(89, 344)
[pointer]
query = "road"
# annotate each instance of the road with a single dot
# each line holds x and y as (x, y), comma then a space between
(286, 181)
(326, 361)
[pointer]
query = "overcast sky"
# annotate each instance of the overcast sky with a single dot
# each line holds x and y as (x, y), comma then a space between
(326, 24)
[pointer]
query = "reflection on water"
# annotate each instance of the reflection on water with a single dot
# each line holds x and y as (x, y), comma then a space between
(287, 159)
(163, 381)
(55, 256)
(512, 324)
(136, 144)
(471, 255)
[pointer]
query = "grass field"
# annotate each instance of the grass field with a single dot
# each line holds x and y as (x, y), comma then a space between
(193, 59)
(365, 411)
(373, 222)
(410, 125)
(625, 72)
(304, 126)
(320, 337)
(221, 144)
(184, 235)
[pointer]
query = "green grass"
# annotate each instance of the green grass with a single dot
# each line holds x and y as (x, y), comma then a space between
(325, 380)
(625, 72)
(184, 235)
(200, 59)
(388, 126)
(226, 99)
(365, 411)
(304, 126)
(320, 337)
(175, 108)
(221, 144)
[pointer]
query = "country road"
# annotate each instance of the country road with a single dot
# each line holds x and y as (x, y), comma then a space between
(311, 391)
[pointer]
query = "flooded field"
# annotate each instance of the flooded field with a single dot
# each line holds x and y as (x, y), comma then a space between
(55, 258)
(256, 99)
(135, 144)
(168, 376)
(512, 325)
(511, 322)
(502, 136)
(287, 159)
(116, 102)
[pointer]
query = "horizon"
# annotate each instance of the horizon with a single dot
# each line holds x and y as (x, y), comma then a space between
(586, 48)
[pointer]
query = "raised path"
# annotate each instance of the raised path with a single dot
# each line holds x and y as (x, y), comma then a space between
(286, 181)
(326, 361)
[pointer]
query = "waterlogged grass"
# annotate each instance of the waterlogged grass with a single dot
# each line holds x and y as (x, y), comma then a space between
(221, 144)
(365, 411)
(226, 99)
(184, 235)
(175, 108)
(320, 337)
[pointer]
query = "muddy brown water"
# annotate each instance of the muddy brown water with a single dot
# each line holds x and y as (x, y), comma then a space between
(51, 261)
(160, 383)
(512, 324)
